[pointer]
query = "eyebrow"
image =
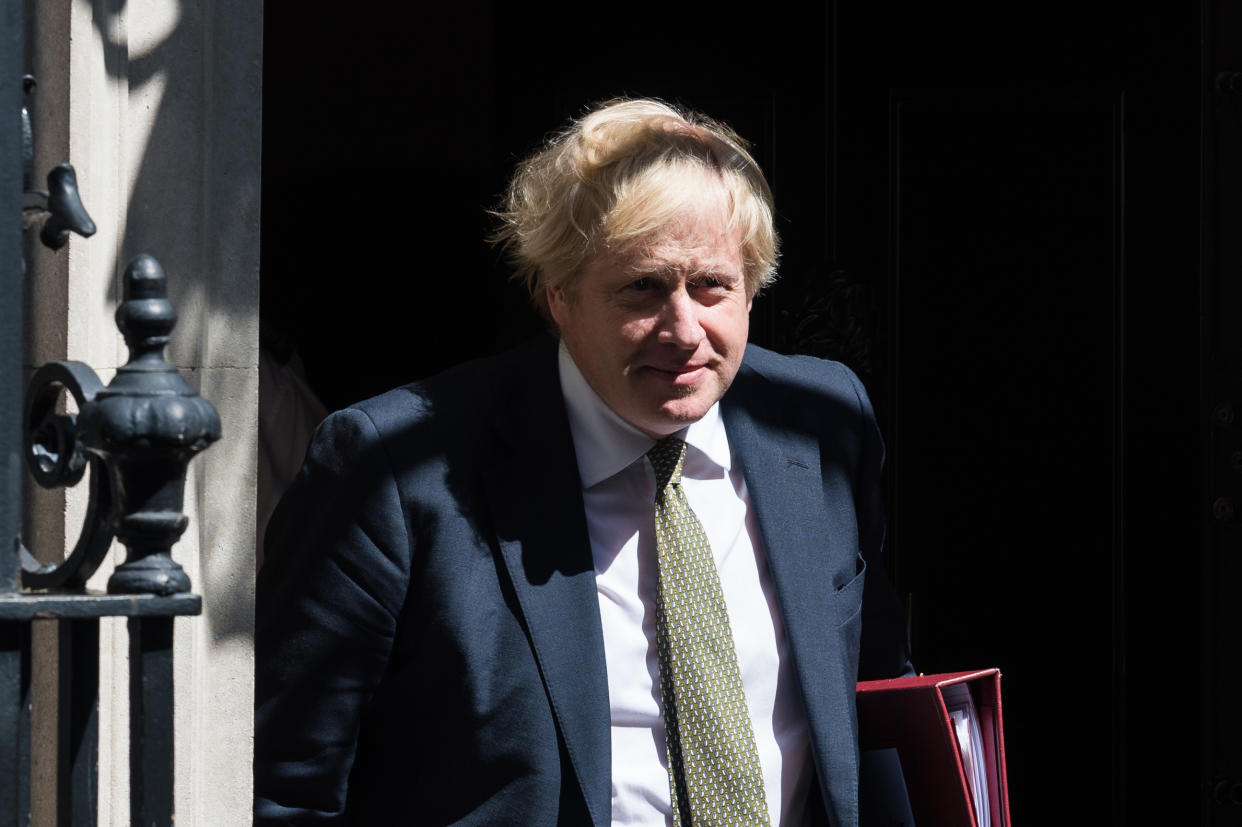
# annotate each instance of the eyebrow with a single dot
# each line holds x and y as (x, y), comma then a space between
(668, 271)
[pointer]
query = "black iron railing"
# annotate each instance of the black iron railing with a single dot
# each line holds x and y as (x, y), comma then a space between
(136, 437)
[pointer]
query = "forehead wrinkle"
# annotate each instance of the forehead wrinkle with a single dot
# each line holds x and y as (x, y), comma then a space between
(677, 255)
(689, 267)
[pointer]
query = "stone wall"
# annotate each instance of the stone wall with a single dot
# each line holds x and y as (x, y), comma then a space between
(157, 103)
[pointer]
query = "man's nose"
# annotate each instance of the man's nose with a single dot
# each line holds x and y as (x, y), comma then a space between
(680, 324)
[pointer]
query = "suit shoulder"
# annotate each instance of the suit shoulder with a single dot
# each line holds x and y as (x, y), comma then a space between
(459, 412)
(822, 377)
(461, 398)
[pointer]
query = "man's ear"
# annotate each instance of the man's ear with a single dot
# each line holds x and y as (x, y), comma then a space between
(556, 303)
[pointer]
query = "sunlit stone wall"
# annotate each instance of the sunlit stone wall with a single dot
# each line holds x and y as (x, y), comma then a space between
(157, 103)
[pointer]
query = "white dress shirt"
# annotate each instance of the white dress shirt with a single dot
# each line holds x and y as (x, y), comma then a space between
(618, 487)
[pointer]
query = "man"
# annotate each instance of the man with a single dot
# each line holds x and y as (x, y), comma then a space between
(631, 578)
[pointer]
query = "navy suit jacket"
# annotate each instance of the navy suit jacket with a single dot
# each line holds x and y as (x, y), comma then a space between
(428, 641)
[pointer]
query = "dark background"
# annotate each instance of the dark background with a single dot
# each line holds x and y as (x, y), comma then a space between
(1003, 218)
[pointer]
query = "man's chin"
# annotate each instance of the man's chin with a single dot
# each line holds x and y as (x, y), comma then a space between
(680, 413)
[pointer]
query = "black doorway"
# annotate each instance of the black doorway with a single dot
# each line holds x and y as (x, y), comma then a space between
(992, 215)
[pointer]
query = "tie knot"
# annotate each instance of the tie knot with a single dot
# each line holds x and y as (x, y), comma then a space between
(666, 458)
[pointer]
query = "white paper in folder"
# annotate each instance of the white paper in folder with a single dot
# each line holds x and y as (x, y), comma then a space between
(961, 707)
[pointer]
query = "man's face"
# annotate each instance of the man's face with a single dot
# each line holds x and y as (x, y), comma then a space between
(659, 333)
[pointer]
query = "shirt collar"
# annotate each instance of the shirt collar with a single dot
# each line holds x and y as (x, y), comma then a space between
(605, 444)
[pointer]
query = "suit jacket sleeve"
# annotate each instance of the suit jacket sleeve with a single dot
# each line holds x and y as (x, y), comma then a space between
(884, 650)
(329, 594)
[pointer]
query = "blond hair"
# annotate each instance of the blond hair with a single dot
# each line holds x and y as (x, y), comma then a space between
(613, 179)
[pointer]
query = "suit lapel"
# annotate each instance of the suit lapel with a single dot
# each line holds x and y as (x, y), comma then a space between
(780, 459)
(536, 504)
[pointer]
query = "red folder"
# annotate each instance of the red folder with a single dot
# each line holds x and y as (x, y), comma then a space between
(911, 715)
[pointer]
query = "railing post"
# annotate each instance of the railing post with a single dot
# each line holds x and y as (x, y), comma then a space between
(150, 720)
(14, 722)
(77, 776)
(14, 635)
(11, 166)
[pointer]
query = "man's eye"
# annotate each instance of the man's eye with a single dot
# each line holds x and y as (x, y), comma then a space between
(641, 284)
(709, 283)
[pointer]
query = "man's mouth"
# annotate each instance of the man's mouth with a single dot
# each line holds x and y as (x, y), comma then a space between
(681, 376)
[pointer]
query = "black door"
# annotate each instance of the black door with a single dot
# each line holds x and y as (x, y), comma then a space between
(1037, 236)
(991, 213)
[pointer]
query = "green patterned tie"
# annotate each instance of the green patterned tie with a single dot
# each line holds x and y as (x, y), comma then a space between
(713, 763)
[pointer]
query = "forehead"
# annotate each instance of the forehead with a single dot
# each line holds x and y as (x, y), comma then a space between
(697, 239)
